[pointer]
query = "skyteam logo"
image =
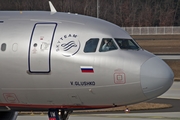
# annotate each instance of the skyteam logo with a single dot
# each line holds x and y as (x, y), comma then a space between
(68, 45)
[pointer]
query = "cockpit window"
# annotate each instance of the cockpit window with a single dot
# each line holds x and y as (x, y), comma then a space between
(127, 44)
(91, 45)
(107, 44)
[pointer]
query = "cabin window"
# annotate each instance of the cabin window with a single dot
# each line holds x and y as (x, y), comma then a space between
(91, 45)
(127, 44)
(107, 44)
(3, 47)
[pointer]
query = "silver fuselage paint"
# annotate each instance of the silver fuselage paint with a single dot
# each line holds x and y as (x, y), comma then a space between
(65, 84)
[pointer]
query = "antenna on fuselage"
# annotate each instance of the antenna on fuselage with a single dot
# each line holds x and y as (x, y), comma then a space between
(53, 10)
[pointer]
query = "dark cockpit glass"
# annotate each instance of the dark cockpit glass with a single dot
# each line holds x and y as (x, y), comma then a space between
(127, 44)
(91, 45)
(107, 44)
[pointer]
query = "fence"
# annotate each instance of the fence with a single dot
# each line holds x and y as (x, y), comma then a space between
(152, 30)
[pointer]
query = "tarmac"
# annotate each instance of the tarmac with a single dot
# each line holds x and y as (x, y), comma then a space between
(128, 116)
(172, 96)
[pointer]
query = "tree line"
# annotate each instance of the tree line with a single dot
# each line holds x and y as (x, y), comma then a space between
(125, 13)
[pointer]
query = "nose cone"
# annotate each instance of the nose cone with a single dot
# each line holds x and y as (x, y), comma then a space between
(156, 77)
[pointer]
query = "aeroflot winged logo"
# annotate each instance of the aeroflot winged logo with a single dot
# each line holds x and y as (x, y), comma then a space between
(68, 45)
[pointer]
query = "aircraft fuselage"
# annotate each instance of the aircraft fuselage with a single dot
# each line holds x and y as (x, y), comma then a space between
(43, 64)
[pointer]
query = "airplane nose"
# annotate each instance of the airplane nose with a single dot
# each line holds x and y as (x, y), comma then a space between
(156, 77)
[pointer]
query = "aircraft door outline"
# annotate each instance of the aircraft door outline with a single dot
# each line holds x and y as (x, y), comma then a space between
(40, 45)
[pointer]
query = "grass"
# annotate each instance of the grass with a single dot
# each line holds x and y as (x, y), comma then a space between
(177, 79)
(135, 107)
(175, 66)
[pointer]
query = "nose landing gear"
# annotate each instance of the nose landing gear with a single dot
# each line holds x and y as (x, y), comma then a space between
(55, 114)
(126, 110)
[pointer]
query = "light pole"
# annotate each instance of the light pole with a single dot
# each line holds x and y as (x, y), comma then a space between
(97, 8)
